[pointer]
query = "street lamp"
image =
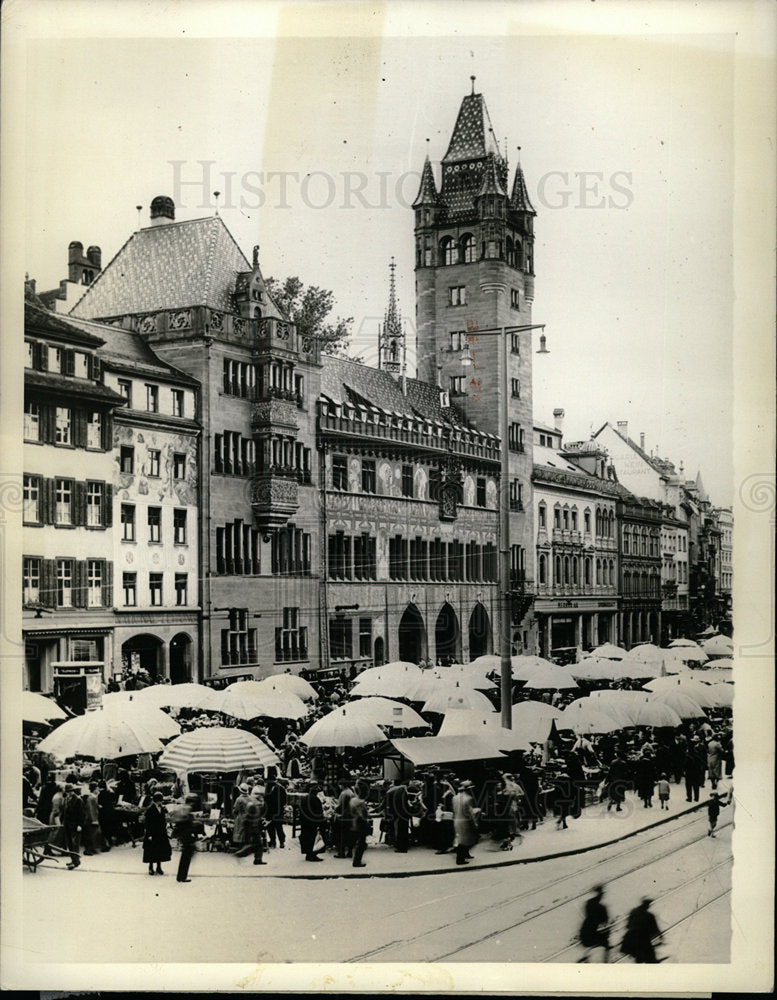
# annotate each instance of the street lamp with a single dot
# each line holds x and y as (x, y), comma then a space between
(506, 669)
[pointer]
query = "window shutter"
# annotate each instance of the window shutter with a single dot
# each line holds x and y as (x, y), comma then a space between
(68, 362)
(48, 493)
(107, 511)
(43, 357)
(79, 427)
(95, 368)
(46, 418)
(225, 646)
(79, 583)
(107, 595)
(107, 431)
(48, 582)
(79, 504)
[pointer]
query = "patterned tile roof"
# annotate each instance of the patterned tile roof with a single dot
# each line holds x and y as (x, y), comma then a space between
(519, 199)
(491, 183)
(427, 192)
(169, 266)
(473, 135)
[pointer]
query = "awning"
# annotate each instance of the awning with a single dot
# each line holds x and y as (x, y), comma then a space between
(445, 749)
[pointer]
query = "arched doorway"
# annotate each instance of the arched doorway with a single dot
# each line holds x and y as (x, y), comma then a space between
(143, 652)
(412, 635)
(480, 639)
(379, 656)
(447, 636)
(180, 658)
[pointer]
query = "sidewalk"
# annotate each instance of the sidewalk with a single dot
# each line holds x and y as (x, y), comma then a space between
(595, 828)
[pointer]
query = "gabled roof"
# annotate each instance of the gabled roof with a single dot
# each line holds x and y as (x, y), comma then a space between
(519, 199)
(170, 266)
(662, 466)
(63, 385)
(427, 192)
(473, 135)
(38, 319)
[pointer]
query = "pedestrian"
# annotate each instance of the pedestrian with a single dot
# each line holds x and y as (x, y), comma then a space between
(361, 824)
(398, 812)
(47, 793)
(646, 780)
(239, 807)
(156, 844)
(530, 801)
(311, 818)
(714, 760)
(73, 819)
(275, 798)
(713, 811)
(443, 814)
(342, 822)
(562, 799)
(663, 791)
(595, 929)
(509, 793)
(187, 837)
(641, 933)
(106, 814)
(255, 823)
(693, 766)
(617, 782)
(91, 820)
(464, 823)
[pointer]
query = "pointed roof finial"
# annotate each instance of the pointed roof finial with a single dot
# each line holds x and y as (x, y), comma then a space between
(473, 83)
(519, 155)
(216, 196)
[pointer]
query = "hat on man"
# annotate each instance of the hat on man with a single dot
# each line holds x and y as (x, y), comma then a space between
(243, 787)
(257, 791)
(465, 784)
(70, 788)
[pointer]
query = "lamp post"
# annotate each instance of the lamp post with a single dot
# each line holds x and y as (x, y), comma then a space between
(506, 669)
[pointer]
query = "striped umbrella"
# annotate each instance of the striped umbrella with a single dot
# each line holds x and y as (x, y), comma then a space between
(216, 750)
(102, 735)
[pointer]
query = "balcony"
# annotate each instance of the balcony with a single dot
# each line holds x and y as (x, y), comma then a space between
(276, 499)
(516, 505)
(276, 412)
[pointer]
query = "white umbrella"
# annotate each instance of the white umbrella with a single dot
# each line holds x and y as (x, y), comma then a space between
(390, 685)
(715, 675)
(252, 706)
(448, 697)
(100, 734)
(619, 704)
(682, 703)
(216, 750)
(289, 684)
(127, 704)
(525, 666)
(596, 668)
(38, 708)
(653, 713)
(683, 644)
(685, 685)
(534, 711)
(470, 674)
(551, 678)
(397, 668)
(609, 651)
(687, 651)
(186, 695)
(338, 729)
(677, 660)
(719, 663)
(718, 645)
(583, 716)
(723, 695)
(385, 712)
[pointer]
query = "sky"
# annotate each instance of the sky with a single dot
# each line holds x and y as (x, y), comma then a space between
(316, 144)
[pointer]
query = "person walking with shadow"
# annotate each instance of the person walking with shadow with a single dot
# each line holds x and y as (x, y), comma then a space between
(156, 844)
(642, 932)
(595, 929)
(311, 820)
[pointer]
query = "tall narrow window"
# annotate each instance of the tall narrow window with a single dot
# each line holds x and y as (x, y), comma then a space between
(129, 583)
(365, 636)
(179, 526)
(153, 462)
(94, 583)
(155, 589)
(94, 504)
(177, 401)
(63, 425)
(64, 583)
(31, 500)
(480, 491)
(152, 398)
(31, 421)
(339, 472)
(64, 501)
(128, 522)
(31, 580)
(155, 524)
(181, 589)
(368, 475)
(179, 465)
(407, 481)
(127, 458)
(94, 430)
(125, 388)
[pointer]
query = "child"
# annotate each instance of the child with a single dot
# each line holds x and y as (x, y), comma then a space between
(713, 811)
(663, 792)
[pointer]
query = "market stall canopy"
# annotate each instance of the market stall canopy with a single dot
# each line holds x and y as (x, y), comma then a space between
(422, 751)
(685, 685)
(385, 712)
(619, 704)
(100, 734)
(530, 711)
(186, 695)
(288, 684)
(268, 703)
(338, 729)
(216, 751)
(468, 674)
(598, 668)
(718, 645)
(38, 708)
(393, 680)
(488, 726)
(609, 651)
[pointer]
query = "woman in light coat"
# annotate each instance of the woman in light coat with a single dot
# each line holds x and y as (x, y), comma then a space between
(464, 823)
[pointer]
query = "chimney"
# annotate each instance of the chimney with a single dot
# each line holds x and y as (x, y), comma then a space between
(162, 210)
(642, 440)
(94, 256)
(558, 420)
(623, 428)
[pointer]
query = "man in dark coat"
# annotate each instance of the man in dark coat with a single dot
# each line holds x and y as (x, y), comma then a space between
(595, 930)
(184, 830)
(343, 825)
(73, 819)
(311, 820)
(361, 824)
(156, 844)
(641, 931)
(530, 802)
(43, 809)
(106, 814)
(693, 765)
(398, 809)
(254, 823)
(275, 798)
(91, 819)
(617, 782)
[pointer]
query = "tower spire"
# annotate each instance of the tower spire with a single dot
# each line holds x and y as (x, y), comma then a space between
(391, 337)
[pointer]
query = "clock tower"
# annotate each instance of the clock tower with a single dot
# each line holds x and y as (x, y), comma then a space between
(474, 268)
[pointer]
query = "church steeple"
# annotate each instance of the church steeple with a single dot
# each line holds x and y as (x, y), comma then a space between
(391, 336)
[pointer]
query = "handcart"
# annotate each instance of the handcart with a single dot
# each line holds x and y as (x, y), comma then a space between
(35, 843)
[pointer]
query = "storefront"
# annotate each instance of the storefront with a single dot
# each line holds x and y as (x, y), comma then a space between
(577, 623)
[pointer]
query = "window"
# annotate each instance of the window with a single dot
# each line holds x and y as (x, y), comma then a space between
(339, 556)
(155, 524)
(515, 437)
(31, 499)
(587, 521)
(515, 388)
(152, 398)
(339, 472)
(515, 298)
(458, 340)
(448, 248)
(177, 399)
(291, 640)
(480, 491)
(364, 557)
(557, 517)
(457, 385)
(31, 422)
(31, 580)
(419, 567)
(63, 425)
(64, 583)
(155, 589)
(181, 589)
(565, 518)
(128, 522)
(179, 465)
(408, 489)
(238, 642)
(398, 558)
(541, 513)
(468, 249)
(94, 583)
(55, 359)
(81, 365)
(365, 636)
(64, 501)
(129, 583)
(290, 552)
(340, 638)
(153, 462)
(29, 348)
(179, 526)
(368, 475)
(457, 296)
(587, 571)
(125, 388)
(94, 430)
(435, 481)
(543, 568)
(127, 458)
(94, 504)
(516, 495)
(515, 343)
(574, 519)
